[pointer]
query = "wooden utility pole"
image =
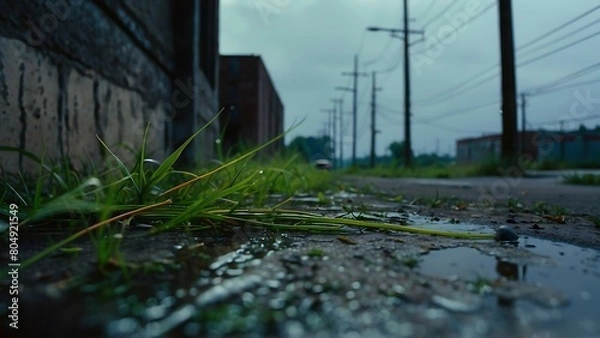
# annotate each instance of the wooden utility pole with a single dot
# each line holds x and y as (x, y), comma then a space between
(407, 114)
(407, 136)
(331, 132)
(509, 86)
(523, 122)
(340, 134)
(373, 113)
(355, 74)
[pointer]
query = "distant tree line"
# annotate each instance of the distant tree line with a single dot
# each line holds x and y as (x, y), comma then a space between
(312, 148)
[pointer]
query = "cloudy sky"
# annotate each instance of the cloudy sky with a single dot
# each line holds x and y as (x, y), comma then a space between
(307, 44)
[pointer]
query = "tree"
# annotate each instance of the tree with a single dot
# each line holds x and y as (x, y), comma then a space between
(397, 150)
(311, 147)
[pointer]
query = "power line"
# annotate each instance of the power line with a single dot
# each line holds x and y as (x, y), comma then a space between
(455, 130)
(554, 51)
(437, 16)
(464, 24)
(583, 83)
(362, 42)
(556, 29)
(458, 112)
(562, 37)
(566, 78)
(428, 8)
(380, 55)
(459, 92)
(456, 89)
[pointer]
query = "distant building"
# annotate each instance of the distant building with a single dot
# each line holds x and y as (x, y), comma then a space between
(253, 111)
(579, 147)
(484, 148)
(575, 147)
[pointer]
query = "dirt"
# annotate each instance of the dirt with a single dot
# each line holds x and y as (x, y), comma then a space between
(254, 282)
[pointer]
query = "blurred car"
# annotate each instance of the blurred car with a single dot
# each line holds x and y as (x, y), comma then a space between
(324, 164)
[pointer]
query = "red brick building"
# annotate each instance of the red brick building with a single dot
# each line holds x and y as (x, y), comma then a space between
(252, 109)
(480, 149)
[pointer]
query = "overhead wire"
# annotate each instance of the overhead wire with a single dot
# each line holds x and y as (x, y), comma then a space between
(556, 50)
(562, 37)
(453, 91)
(428, 8)
(556, 29)
(577, 84)
(465, 23)
(437, 16)
(457, 112)
(571, 76)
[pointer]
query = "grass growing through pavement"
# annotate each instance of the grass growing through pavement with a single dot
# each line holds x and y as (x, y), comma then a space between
(582, 179)
(232, 193)
(486, 168)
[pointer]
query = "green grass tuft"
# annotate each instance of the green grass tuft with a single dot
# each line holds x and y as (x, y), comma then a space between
(582, 179)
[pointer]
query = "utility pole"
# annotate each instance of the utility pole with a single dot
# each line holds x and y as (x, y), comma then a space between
(340, 113)
(325, 131)
(407, 137)
(331, 131)
(509, 86)
(373, 113)
(355, 74)
(407, 115)
(523, 122)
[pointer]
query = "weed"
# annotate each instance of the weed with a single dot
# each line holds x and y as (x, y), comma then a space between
(540, 207)
(411, 262)
(596, 221)
(481, 285)
(514, 204)
(582, 179)
(230, 193)
(315, 253)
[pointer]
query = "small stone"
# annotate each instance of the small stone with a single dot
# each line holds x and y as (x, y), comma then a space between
(506, 234)
(511, 221)
(535, 226)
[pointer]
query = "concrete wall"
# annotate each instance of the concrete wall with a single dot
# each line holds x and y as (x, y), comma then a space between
(74, 69)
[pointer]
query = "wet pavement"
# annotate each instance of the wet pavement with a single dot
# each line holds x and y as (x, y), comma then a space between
(358, 283)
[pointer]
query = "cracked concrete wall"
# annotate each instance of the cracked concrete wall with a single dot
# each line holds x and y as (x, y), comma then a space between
(74, 69)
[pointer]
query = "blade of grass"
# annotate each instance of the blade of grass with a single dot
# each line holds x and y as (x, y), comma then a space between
(36, 159)
(121, 165)
(66, 203)
(221, 167)
(73, 237)
(163, 170)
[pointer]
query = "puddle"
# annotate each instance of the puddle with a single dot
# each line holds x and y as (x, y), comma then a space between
(575, 274)
(447, 224)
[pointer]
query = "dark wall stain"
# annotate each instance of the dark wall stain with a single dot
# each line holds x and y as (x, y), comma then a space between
(99, 129)
(63, 112)
(23, 116)
(3, 85)
(120, 120)
(76, 113)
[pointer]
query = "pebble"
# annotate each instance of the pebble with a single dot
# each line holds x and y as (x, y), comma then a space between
(506, 234)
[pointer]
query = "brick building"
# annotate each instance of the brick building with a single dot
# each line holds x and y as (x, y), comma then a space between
(581, 147)
(253, 111)
(577, 147)
(484, 148)
(74, 69)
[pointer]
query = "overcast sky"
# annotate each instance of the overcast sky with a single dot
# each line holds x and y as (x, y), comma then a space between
(307, 44)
